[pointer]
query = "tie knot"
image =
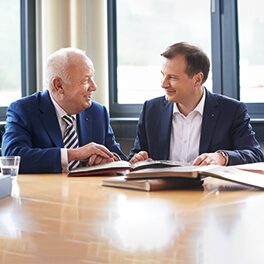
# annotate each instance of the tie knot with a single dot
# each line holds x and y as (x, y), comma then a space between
(68, 119)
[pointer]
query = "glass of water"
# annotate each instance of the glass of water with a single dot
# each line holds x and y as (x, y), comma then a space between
(9, 166)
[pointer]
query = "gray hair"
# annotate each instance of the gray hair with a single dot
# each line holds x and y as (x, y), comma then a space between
(58, 63)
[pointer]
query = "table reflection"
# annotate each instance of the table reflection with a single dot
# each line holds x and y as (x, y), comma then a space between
(15, 189)
(55, 219)
(144, 224)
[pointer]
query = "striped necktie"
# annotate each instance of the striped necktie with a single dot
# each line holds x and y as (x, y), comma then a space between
(70, 139)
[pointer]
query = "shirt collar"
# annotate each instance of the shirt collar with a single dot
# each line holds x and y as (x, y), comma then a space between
(59, 111)
(199, 107)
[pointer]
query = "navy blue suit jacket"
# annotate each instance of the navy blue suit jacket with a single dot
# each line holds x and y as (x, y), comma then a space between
(225, 126)
(32, 132)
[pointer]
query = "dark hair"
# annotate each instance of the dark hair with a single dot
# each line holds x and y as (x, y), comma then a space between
(197, 60)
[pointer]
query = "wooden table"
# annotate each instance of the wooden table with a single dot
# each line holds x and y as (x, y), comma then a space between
(55, 219)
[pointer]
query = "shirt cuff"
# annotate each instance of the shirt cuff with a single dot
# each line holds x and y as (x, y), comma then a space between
(64, 160)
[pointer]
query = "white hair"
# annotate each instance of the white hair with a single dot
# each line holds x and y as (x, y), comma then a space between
(57, 65)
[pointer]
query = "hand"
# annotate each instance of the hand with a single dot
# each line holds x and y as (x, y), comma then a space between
(85, 152)
(209, 159)
(142, 155)
(95, 160)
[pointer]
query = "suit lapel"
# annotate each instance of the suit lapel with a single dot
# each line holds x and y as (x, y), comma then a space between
(84, 121)
(165, 128)
(210, 116)
(49, 119)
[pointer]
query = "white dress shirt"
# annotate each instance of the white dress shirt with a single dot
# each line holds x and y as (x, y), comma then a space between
(186, 133)
(60, 113)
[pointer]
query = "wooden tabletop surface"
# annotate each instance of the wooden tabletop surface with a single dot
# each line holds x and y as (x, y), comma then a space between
(51, 218)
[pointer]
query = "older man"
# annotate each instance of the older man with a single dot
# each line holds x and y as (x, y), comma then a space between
(61, 128)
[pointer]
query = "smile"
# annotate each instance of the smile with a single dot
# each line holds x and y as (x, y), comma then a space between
(170, 91)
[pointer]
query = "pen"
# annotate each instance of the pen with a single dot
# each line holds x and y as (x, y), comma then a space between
(115, 158)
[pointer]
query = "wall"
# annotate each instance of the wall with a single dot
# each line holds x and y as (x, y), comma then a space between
(76, 23)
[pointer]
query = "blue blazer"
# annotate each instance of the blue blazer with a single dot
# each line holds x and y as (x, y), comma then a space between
(225, 126)
(32, 132)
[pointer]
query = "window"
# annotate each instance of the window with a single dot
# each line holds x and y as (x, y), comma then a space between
(144, 30)
(251, 41)
(228, 30)
(141, 31)
(10, 66)
(17, 51)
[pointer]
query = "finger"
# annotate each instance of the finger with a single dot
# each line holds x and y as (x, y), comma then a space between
(199, 160)
(91, 160)
(209, 160)
(143, 154)
(133, 159)
(139, 158)
(107, 161)
(102, 149)
(205, 162)
(105, 153)
(98, 160)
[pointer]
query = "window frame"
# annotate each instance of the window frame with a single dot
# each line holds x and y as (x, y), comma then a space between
(225, 48)
(28, 47)
(224, 63)
(116, 110)
(28, 50)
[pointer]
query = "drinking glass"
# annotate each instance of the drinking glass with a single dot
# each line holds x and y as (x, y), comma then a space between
(10, 166)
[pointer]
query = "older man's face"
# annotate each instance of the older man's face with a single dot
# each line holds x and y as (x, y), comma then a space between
(77, 94)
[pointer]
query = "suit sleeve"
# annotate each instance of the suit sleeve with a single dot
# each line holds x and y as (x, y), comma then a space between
(20, 140)
(140, 143)
(245, 147)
